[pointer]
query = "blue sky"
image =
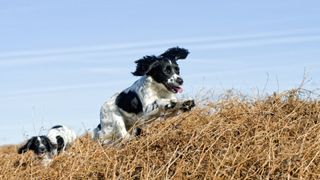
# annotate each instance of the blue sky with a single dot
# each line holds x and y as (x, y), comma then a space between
(60, 60)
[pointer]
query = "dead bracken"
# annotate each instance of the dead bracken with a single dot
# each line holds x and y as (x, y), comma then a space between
(274, 137)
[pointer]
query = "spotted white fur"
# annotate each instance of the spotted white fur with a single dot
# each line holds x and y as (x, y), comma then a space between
(155, 97)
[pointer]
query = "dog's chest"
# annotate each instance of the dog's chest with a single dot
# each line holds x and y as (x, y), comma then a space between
(152, 94)
(146, 92)
(153, 91)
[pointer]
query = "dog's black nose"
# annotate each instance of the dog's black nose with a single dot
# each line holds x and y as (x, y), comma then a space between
(42, 149)
(179, 80)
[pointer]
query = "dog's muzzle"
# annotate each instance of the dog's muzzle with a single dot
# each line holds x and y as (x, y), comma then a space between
(175, 86)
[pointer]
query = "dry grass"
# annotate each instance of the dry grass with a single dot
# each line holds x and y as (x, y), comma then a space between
(234, 138)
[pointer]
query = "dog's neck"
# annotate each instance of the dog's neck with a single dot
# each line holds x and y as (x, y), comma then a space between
(157, 88)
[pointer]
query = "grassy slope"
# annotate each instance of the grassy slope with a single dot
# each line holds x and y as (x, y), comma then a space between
(272, 137)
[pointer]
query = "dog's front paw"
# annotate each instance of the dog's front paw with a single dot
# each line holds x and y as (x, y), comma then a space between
(187, 105)
(137, 132)
(171, 105)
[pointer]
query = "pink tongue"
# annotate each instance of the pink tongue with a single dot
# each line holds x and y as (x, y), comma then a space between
(179, 89)
(41, 155)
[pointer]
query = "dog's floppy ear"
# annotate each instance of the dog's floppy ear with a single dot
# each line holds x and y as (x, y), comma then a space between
(175, 53)
(26, 147)
(145, 64)
(49, 145)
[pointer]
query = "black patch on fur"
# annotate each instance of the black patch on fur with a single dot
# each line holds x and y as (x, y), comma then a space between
(175, 53)
(138, 132)
(99, 127)
(30, 145)
(164, 70)
(187, 105)
(129, 102)
(61, 144)
(144, 65)
(56, 127)
(47, 143)
(33, 144)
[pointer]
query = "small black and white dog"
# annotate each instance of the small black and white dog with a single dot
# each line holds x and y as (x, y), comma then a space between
(46, 147)
(153, 95)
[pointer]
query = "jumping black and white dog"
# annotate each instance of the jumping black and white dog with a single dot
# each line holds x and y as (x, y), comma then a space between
(153, 95)
(46, 147)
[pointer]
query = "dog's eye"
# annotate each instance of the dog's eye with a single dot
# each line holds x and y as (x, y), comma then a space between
(168, 69)
(177, 70)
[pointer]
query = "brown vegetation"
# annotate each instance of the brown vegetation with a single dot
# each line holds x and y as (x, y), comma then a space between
(233, 138)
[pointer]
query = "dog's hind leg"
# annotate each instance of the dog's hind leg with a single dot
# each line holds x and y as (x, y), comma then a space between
(112, 125)
(120, 127)
(105, 132)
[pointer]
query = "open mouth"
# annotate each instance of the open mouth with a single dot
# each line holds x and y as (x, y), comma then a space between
(174, 88)
(41, 155)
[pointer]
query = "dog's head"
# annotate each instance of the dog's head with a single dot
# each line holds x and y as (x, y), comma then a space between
(40, 145)
(164, 68)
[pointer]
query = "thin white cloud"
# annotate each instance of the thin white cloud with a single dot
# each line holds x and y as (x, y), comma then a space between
(102, 70)
(210, 45)
(297, 66)
(261, 39)
(223, 42)
(265, 42)
(61, 88)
